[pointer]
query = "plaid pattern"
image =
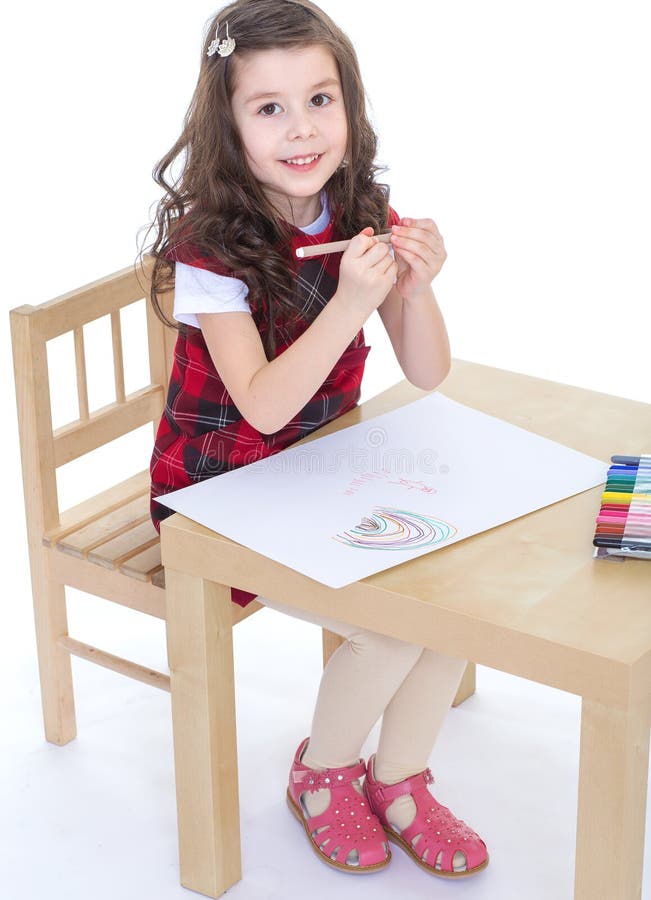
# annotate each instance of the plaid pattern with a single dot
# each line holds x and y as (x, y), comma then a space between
(202, 433)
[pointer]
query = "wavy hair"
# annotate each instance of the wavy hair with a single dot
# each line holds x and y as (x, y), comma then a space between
(232, 219)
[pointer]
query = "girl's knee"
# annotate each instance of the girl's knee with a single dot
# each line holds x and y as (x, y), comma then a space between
(370, 642)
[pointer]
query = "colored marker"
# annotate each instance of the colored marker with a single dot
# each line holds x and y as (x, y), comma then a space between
(636, 524)
(624, 532)
(336, 246)
(640, 523)
(626, 495)
(609, 541)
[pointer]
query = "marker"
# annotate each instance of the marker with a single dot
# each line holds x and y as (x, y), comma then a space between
(636, 529)
(643, 521)
(335, 246)
(631, 460)
(628, 543)
(612, 518)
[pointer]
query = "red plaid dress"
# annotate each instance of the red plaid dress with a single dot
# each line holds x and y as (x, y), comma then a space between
(202, 433)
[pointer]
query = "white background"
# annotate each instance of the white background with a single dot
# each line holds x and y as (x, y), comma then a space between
(521, 128)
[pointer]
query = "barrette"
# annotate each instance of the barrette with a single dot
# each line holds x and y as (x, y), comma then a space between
(225, 47)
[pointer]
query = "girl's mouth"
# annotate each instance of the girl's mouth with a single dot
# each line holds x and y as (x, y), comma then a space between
(302, 163)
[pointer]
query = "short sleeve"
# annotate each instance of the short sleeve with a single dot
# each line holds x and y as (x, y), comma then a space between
(201, 291)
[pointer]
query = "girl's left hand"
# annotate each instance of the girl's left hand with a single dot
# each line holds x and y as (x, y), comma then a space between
(420, 254)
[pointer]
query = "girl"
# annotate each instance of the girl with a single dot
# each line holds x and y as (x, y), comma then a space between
(279, 153)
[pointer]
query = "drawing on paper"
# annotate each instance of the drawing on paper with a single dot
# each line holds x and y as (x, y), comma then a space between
(396, 529)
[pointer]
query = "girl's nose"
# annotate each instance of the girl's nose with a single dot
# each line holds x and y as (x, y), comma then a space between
(301, 125)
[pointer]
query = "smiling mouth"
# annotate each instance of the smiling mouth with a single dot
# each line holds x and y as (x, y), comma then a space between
(302, 161)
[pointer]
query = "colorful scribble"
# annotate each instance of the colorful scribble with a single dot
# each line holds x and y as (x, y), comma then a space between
(396, 529)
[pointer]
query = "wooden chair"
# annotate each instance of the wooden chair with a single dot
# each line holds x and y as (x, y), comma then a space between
(107, 545)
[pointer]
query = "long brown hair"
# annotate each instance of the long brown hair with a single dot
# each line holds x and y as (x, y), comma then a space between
(232, 219)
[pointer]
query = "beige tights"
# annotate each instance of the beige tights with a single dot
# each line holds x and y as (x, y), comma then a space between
(369, 676)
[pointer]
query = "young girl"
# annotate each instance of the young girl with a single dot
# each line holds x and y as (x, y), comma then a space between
(278, 153)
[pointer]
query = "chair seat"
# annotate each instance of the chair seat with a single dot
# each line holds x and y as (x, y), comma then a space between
(120, 537)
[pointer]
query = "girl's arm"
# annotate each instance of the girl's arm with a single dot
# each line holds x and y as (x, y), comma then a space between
(418, 336)
(410, 313)
(270, 394)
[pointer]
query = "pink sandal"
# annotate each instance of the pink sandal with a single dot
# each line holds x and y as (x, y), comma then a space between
(442, 834)
(348, 825)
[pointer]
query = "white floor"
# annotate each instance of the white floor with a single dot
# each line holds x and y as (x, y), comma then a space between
(97, 818)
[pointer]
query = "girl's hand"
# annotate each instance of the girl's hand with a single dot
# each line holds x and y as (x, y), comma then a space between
(420, 253)
(367, 271)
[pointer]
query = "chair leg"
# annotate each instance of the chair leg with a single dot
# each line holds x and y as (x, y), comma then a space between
(467, 685)
(200, 653)
(330, 641)
(55, 670)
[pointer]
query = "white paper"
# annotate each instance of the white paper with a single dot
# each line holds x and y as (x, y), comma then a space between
(387, 490)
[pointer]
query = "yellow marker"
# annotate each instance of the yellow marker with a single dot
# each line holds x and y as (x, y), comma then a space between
(619, 497)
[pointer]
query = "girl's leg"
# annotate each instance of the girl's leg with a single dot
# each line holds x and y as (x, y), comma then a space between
(359, 680)
(366, 677)
(415, 714)
(410, 726)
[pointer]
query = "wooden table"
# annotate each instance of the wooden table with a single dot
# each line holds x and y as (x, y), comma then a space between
(526, 598)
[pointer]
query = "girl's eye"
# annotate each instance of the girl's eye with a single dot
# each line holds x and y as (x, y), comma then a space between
(321, 100)
(269, 109)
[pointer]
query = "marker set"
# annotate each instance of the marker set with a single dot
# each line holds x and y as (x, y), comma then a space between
(624, 520)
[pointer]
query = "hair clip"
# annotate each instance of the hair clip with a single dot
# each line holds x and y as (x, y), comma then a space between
(225, 47)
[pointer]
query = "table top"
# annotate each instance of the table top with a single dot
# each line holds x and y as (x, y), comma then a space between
(526, 597)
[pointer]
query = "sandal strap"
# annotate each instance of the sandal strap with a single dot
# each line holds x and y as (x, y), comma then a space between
(328, 778)
(385, 793)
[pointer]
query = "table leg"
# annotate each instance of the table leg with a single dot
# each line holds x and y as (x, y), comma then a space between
(467, 685)
(330, 642)
(200, 652)
(613, 772)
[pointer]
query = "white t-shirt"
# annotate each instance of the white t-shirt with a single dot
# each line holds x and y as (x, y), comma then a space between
(200, 291)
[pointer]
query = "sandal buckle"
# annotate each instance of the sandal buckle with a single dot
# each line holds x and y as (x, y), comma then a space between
(378, 794)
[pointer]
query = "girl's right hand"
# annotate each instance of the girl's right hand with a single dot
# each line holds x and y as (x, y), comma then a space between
(367, 271)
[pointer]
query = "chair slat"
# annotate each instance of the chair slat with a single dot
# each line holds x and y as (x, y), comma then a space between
(144, 565)
(93, 508)
(81, 542)
(104, 425)
(92, 301)
(118, 549)
(80, 361)
(118, 361)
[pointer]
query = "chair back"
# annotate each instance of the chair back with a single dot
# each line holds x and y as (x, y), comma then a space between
(43, 448)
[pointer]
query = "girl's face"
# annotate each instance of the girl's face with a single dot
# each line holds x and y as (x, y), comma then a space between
(289, 110)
